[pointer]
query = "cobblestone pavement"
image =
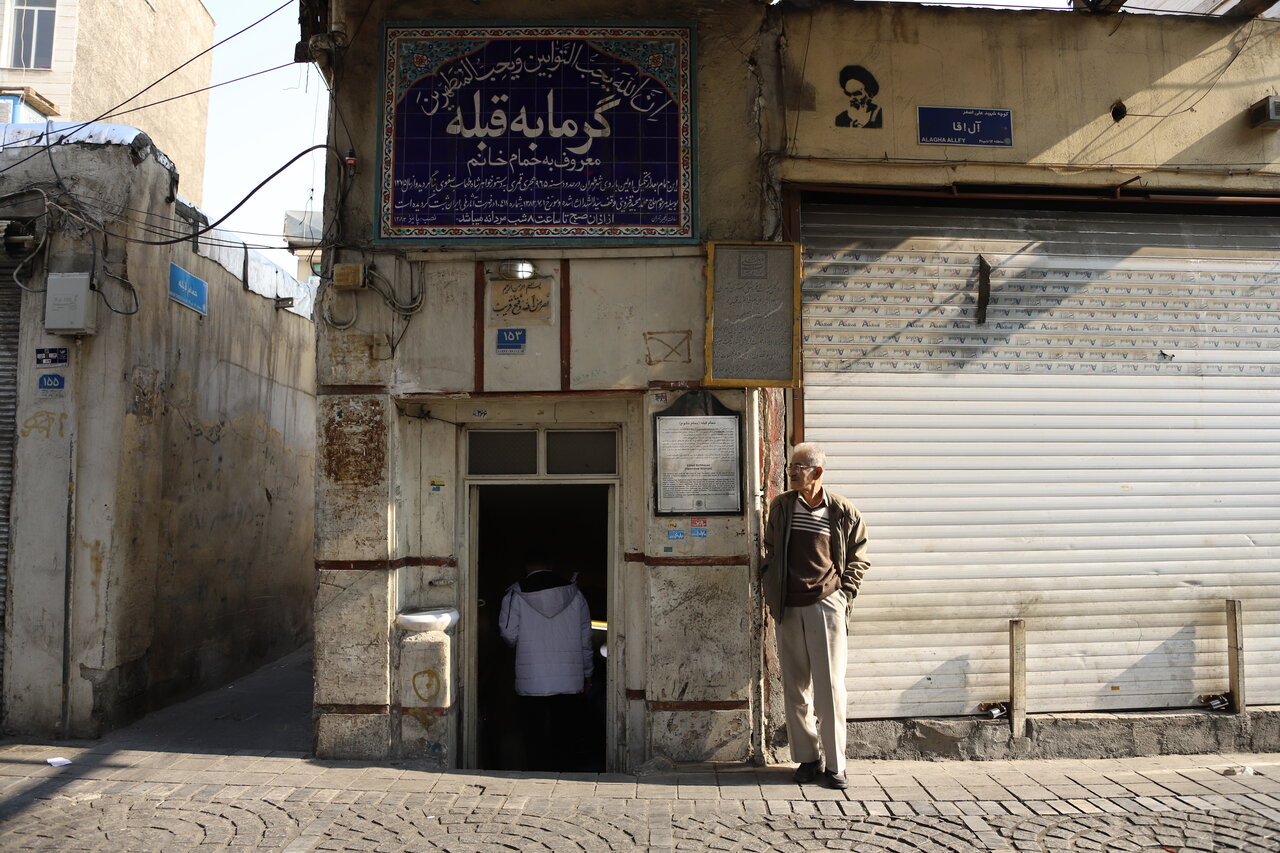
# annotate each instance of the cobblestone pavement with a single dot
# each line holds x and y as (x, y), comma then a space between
(210, 776)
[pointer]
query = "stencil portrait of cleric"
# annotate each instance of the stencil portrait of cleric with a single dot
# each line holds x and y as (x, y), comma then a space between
(860, 88)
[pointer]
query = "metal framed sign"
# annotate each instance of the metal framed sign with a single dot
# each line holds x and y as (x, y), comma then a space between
(984, 128)
(753, 314)
(187, 289)
(548, 132)
(511, 341)
(699, 462)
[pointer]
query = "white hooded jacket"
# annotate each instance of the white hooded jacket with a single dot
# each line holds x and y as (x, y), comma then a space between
(551, 632)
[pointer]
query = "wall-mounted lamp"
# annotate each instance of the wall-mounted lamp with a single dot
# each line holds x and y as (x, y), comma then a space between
(517, 270)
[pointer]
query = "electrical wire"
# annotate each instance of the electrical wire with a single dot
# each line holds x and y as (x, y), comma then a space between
(180, 228)
(133, 291)
(206, 228)
(389, 295)
(76, 128)
(324, 298)
(44, 235)
(179, 225)
(1232, 61)
(197, 91)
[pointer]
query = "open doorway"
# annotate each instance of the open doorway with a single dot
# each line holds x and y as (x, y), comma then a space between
(569, 525)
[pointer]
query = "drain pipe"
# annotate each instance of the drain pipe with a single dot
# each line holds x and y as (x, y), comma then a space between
(68, 561)
(68, 570)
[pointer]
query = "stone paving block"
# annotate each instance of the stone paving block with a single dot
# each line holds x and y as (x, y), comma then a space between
(851, 809)
(1107, 789)
(1010, 806)
(1152, 804)
(1130, 805)
(1084, 806)
(616, 790)
(325, 807)
(949, 794)
(1062, 807)
(820, 792)
(1266, 799)
(906, 794)
(1031, 792)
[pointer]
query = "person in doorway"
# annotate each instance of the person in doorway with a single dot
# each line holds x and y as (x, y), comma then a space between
(860, 87)
(546, 619)
(815, 555)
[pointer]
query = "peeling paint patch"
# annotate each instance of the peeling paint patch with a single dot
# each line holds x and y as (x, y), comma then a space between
(354, 441)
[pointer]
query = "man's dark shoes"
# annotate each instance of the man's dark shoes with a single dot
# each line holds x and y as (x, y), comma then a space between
(807, 771)
(832, 779)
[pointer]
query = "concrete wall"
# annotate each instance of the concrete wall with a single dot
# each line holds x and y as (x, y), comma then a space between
(163, 507)
(106, 51)
(383, 534)
(54, 83)
(1186, 83)
(113, 62)
(695, 676)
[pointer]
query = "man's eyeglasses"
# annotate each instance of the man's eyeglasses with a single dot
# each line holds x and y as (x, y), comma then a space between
(791, 469)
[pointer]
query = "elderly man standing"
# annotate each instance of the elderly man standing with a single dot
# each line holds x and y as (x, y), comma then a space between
(815, 554)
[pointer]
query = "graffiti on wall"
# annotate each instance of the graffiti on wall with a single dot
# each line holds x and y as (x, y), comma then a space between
(860, 88)
(46, 424)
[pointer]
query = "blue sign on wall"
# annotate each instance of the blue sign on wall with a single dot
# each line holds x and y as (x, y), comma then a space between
(545, 132)
(511, 341)
(52, 382)
(188, 290)
(965, 126)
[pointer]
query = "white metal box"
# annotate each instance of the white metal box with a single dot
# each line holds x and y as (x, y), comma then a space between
(69, 304)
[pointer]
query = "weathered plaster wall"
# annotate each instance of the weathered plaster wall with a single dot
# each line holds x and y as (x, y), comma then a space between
(1187, 84)
(635, 320)
(54, 83)
(122, 46)
(698, 682)
(170, 512)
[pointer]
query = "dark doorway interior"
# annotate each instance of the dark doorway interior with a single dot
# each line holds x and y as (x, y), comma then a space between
(569, 524)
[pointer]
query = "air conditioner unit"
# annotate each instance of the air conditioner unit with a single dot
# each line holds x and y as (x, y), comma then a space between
(1265, 113)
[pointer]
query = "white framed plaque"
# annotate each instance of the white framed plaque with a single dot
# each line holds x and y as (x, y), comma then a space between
(699, 465)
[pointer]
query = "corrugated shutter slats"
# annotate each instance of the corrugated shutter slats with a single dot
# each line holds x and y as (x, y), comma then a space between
(1100, 458)
(10, 309)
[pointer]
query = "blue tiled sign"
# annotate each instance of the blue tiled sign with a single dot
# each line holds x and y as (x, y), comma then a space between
(543, 132)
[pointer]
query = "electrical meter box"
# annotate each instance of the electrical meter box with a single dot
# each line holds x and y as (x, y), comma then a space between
(348, 276)
(69, 305)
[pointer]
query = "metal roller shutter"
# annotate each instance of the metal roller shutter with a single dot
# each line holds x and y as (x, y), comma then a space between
(1100, 458)
(10, 310)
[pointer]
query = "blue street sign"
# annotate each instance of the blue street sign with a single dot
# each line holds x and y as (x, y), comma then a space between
(186, 289)
(965, 126)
